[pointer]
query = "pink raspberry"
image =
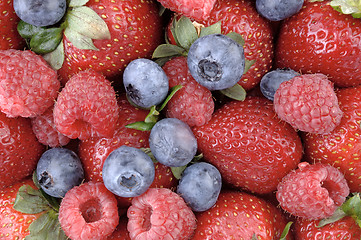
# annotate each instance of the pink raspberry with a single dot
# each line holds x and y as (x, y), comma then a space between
(28, 85)
(45, 131)
(312, 191)
(308, 103)
(86, 107)
(88, 212)
(160, 214)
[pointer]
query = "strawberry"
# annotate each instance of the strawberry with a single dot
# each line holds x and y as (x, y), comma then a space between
(121, 232)
(249, 145)
(321, 39)
(342, 147)
(19, 149)
(133, 36)
(10, 38)
(239, 215)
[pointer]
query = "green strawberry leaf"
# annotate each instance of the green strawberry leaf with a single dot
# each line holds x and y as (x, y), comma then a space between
(142, 126)
(236, 37)
(77, 3)
(177, 171)
(150, 154)
(337, 215)
(248, 64)
(185, 32)
(56, 57)
(46, 41)
(27, 30)
(152, 116)
(168, 50)
(352, 7)
(79, 41)
(212, 29)
(286, 230)
(352, 206)
(30, 201)
(172, 91)
(236, 92)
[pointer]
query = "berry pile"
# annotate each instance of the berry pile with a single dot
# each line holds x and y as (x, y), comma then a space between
(180, 119)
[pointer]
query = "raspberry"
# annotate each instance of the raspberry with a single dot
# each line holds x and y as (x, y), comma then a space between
(86, 107)
(45, 131)
(193, 103)
(88, 211)
(308, 103)
(312, 191)
(28, 85)
(160, 214)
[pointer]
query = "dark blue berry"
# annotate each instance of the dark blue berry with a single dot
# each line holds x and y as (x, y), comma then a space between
(58, 170)
(40, 12)
(272, 80)
(128, 172)
(216, 61)
(277, 10)
(145, 82)
(200, 186)
(172, 142)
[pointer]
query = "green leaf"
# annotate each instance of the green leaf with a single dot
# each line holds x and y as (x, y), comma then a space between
(338, 214)
(77, 3)
(236, 37)
(87, 22)
(172, 91)
(56, 57)
(79, 41)
(27, 30)
(150, 154)
(248, 64)
(286, 230)
(236, 92)
(212, 29)
(168, 50)
(185, 32)
(46, 41)
(177, 171)
(30, 201)
(152, 116)
(142, 126)
(352, 7)
(352, 206)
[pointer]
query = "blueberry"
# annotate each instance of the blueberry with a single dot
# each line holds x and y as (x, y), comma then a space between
(272, 80)
(58, 170)
(216, 61)
(277, 10)
(128, 172)
(40, 12)
(172, 142)
(200, 186)
(145, 82)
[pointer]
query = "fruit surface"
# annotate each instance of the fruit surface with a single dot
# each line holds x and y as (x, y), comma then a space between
(311, 40)
(277, 10)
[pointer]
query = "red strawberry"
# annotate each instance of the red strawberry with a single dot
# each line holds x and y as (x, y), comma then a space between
(320, 39)
(249, 145)
(239, 215)
(10, 38)
(19, 149)
(342, 147)
(193, 103)
(121, 232)
(133, 36)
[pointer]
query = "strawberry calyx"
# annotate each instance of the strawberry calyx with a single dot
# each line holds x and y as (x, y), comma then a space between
(352, 7)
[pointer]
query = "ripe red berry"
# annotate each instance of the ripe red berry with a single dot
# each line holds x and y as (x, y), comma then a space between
(312, 191)
(88, 211)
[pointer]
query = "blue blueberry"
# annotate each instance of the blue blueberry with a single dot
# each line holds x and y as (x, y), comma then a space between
(272, 80)
(277, 10)
(58, 170)
(172, 142)
(128, 172)
(216, 61)
(145, 82)
(200, 186)
(40, 12)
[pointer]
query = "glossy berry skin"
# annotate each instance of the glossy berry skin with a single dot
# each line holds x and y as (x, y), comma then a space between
(18, 142)
(311, 40)
(58, 170)
(277, 10)
(172, 142)
(86, 107)
(241, 16)
(160, 214)
(28, 85)
(272, 80)
(239, 215)
(40, 12)
(128, 172)
(312, 191)
(193, 103)
(345, 228)
(135, 36)
(145, 83)
(308, 103)
(216, 61)
(245, 134)
(200, 186)
(341, 147)
(88, 212)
